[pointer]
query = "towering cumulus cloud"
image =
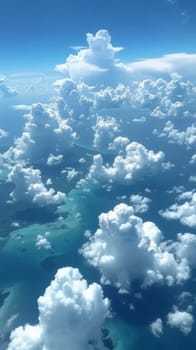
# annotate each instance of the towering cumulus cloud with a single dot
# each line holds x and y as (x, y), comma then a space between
(95, 63)
(71, 315)
(124, 249)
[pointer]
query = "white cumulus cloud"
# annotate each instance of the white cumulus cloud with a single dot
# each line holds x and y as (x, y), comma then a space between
(185, 137)
(71, 315)
(105, 130)
(139, 203)
(54, 160)
(185, 212)
(29, 186)
(43, 242)
(124, 249)
(44, 133)
(182, 320)
(134, 160)
(186, 247)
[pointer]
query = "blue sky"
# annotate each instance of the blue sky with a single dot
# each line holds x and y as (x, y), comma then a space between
(36, 35)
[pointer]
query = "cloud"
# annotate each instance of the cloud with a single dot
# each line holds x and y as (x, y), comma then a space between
(162, 98)
(186, 137)
(54, 160)
(156, 327)
(42, 241)
(193, 159)
(71, 173)
(75, 99)
(29, 187)
(77, 107)
(105, 130)
(180, 63)
(165, 98)
(22, 107)
(133, 161)
(159, 97)
(125, 248)
(111, 97)
(185, 212)
(3, 133)
(97, 64)
(43, 124)
(5, 90)
(71, 315)
(186, 247)
(139, 203)
(182, 320)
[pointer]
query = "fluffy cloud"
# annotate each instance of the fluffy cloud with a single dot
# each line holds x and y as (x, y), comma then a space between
(29, 187)
(133, 160)
(139, 203)
(161, 98)
(185, 212)
(186, 247)
(43, 242)
(44, 133)
(111, 97)
(182, 320)
(71, 315)
(119, 144)
(165, 98)
(124, 249)
(95, 63)
(186, 137)
(54, 160)
(5, 90)
(75, 99)
(156, 327)
(105, 129)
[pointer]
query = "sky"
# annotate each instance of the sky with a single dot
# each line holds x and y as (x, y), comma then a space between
(36, 35)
